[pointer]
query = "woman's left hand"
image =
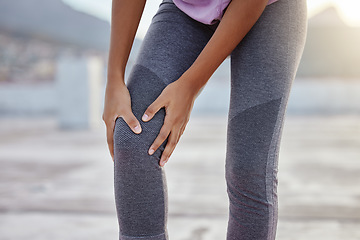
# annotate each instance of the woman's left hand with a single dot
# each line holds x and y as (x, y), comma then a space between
(178, 99)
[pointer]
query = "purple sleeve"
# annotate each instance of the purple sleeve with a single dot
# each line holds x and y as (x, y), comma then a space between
(205, 11)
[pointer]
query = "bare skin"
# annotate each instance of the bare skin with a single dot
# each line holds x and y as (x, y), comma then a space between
(117, 97)
(178, 97)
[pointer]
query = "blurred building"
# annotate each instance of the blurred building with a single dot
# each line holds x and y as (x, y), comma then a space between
(35, 36)
(39, 37)
(34, 33)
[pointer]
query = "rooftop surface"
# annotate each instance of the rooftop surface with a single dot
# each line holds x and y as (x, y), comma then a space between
(58, 184)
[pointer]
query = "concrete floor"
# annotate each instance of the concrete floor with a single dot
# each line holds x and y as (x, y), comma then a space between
(57, 184)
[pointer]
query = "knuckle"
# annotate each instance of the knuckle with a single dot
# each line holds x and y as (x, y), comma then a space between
(132, 123)
(172, 142)
(166, 153)
(105, 119)
(164, 156)
(108, 118)
(126, 116)
(177, 119)
(156, 143)
(163, 136)
(170, 121)
(150, 111)
(130, 120)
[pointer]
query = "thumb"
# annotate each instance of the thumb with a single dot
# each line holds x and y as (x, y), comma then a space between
(132, 122)
(152, 110)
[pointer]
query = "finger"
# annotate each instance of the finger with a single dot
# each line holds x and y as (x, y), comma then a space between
(109, 136)
(163, 134)
(152, 110)
(182, 130)
(184, 126)
(132, 122)
(111, 149)
(170, 146)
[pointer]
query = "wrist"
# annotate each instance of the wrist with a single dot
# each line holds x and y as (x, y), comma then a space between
(115, 78)
(194, 80)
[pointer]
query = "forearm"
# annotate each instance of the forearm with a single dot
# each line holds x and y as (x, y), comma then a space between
(125, 18)
(238, 19)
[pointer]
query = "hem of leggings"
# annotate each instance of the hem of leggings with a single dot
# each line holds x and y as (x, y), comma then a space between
(161, 236)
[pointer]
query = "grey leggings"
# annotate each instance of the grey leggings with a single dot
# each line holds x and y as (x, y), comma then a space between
(263, 67)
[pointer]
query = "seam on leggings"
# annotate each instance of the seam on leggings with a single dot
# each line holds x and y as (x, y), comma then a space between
(248, 107)
(153, 73)
(124, 237)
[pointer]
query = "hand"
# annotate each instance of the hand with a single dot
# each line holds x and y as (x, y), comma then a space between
(118, 104)
(178, 99)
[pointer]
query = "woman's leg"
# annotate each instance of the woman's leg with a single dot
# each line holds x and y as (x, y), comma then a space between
(263, 67)
(170, 46)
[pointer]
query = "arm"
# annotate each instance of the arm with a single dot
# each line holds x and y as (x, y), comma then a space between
(179, 96)
(238, 19)
(125, 18)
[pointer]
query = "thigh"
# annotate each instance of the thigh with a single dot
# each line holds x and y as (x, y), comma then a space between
(264, 64)
(171, 44)
(263, 67)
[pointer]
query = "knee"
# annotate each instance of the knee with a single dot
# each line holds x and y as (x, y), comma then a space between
(125, 138)
(130, 146)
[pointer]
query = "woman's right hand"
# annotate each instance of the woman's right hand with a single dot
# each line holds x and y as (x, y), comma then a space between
(118, 104)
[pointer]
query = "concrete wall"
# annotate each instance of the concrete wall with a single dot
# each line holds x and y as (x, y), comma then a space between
(78, 85)
(75, 98)
(308, 96)
(27, 99)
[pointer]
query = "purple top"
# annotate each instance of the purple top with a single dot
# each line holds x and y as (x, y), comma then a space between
(205, 11)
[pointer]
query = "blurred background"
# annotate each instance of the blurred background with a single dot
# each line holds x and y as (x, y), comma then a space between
(57, 175)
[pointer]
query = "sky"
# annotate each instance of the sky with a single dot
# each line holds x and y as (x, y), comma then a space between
(349, 10)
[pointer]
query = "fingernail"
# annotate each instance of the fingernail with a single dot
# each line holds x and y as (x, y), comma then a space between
(145, 117)
(151, 151)
(162, 163)
(137, 129)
